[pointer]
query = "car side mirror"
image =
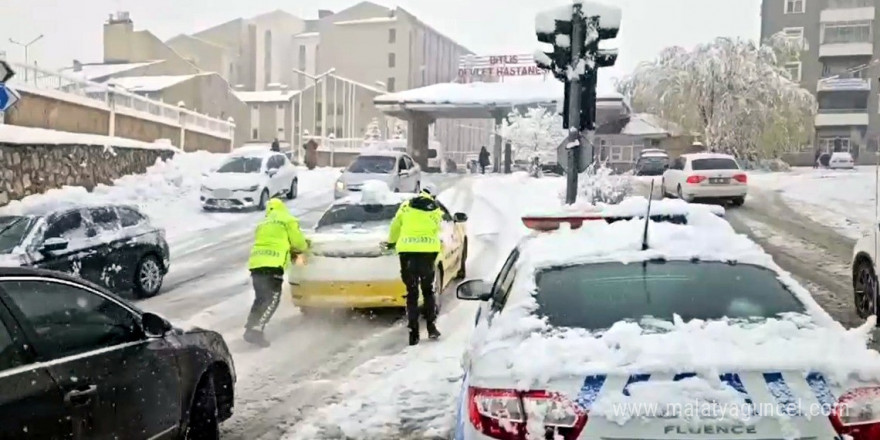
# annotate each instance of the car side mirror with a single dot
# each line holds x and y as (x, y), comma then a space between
(460, 217)
(474, 290)
(155, 326)
(54, 244)
(271, 172)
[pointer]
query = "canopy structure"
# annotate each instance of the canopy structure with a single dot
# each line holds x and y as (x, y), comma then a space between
(478, 100)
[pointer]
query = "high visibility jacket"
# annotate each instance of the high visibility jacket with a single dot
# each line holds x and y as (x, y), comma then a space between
(416, 226)
(277, 236)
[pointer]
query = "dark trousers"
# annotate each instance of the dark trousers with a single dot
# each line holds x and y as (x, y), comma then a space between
(417, 271)
(483, 169)
(267, 290)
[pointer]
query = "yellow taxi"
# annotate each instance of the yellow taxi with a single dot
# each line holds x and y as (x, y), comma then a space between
(347, 268)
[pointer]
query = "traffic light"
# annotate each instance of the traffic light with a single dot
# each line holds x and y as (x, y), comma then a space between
(556, 33)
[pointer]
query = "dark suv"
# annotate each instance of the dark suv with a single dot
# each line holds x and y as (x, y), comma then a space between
(112, 245)
(78, 362)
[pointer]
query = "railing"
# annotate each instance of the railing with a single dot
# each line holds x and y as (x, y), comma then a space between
(115, 99)
(847, 4)
(841, 111)
(837, 84)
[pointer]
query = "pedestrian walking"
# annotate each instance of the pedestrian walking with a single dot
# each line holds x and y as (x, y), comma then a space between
(415, 234)
(276, 146)
(278, 239)
(484, 159)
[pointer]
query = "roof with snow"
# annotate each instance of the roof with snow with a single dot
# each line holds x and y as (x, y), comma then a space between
(479, 99)
(372, 20)
(150, 83)
(101, 71)
(641, 124)
(267, 96)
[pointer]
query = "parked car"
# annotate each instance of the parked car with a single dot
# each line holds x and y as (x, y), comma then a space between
(247, 179)
(706, 176)
(78, 362)
(396, 169)
(651, 164)
(841, 160)
(112, 245)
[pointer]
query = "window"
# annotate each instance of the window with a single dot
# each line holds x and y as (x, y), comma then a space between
(795, 6)
(10, 356)
(68, 226)
(267, 57)
(68, 320)
(104, 219)
(372, 165)
(357, 214)
(794, 71)
(409, 161)
(502, 284)
(392, 35)
(616, 153)
(401, 165)
(831, 144)
(840, 33)
(390, 84)
(302, 57)
(129, 217)
(255, 134)
(714, 164)
(795, 35)
(392, 60)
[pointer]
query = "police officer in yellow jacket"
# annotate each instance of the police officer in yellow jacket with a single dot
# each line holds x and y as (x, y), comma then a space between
(278, 238)
(415, 233)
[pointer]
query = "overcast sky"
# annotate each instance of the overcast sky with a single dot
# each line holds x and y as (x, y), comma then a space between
(73, 29)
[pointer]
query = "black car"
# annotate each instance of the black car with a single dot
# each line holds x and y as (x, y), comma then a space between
(651, 165)
(112, 245)
(78, 362)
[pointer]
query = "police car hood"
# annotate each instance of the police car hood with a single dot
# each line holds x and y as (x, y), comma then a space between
(632, 379)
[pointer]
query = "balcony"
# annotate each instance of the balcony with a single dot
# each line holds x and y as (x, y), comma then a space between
(846, 50)
(848, 11)
(842, 117)
(843, 85)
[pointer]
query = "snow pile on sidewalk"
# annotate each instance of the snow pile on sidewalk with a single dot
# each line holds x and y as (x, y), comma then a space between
(414, 394)
(840, 199)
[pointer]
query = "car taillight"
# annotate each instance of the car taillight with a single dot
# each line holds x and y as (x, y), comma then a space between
(741, 178)
(504, 414)
(695, 179)
(857, 414)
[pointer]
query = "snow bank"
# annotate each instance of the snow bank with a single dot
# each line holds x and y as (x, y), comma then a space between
(14, 134)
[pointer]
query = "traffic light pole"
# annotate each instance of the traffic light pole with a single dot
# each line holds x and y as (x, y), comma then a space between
(574, 108)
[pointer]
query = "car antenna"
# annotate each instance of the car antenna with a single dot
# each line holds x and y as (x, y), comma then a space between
(648, 218)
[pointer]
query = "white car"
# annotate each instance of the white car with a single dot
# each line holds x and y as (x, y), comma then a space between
(706, 176)
(248, 179)
(841, 160)
(398, 170)
(586, 334)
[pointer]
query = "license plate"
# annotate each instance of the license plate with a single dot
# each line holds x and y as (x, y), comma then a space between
(222, 193)
(719, 180)
(224, 203)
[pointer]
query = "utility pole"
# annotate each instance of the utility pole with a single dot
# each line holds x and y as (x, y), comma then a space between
(574, 34)
(26, 59)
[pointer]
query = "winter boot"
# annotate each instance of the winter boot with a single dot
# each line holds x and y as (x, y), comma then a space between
(414, 333)
(433, 333)
(256, 337)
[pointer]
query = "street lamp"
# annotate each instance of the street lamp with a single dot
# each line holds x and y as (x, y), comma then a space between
(26, 46)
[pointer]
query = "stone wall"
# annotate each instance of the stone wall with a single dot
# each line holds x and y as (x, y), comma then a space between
(39, 111)
(33, 169)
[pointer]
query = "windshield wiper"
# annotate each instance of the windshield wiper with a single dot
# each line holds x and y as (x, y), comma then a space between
(10, 225)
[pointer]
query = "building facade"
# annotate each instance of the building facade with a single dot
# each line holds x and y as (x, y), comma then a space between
(840, 39)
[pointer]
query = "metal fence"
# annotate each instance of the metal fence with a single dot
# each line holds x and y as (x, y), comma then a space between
(115, 100)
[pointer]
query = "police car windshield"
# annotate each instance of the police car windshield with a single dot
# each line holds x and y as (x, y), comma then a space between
(13, 229)
(357, 215)
(241, 165)
(595, 296)
(373, 165)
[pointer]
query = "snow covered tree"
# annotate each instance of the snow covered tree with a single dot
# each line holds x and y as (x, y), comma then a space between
(735, 95)
(374, 131)
(535, 132)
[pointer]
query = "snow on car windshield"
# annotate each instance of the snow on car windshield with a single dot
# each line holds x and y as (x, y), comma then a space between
(614, 292)
(714, 164)
(373, 165)
(12, 232)
(241, 165)
(357, 214)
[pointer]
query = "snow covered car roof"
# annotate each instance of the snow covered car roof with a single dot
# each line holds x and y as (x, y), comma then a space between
(526, 372)
(695, 156)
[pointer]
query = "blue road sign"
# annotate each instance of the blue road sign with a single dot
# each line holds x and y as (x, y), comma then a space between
(8, 97)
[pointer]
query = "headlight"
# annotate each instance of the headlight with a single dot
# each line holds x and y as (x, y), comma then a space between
(250, 188)
(340, 186)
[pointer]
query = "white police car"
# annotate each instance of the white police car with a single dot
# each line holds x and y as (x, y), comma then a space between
(587, 333)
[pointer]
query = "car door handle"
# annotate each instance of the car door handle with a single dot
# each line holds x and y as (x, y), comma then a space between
(81, 396)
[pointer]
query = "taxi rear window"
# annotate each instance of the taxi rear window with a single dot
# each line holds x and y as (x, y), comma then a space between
(353, 214)
(595, 296)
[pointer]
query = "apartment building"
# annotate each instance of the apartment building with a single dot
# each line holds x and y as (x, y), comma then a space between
(839, 38)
